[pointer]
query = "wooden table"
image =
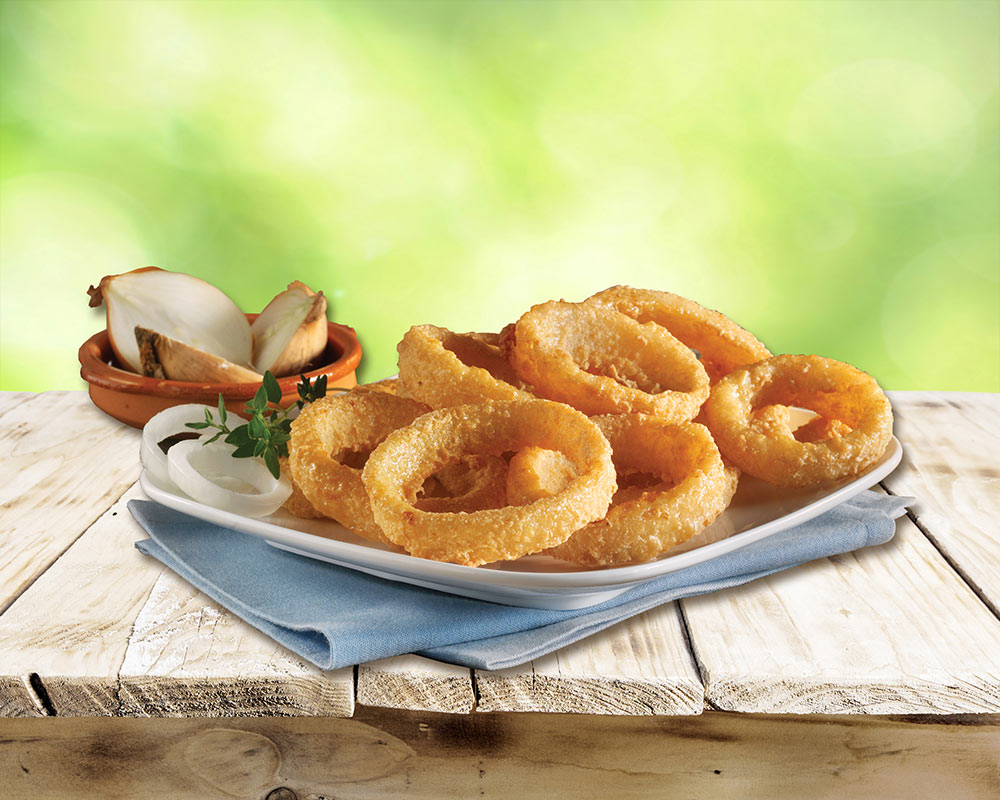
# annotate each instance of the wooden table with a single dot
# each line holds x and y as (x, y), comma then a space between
(878, 669)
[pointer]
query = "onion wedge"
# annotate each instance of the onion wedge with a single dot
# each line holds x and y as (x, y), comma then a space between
(291, 331)
(210, 475)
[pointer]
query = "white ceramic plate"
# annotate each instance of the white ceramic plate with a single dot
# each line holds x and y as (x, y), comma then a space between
(756, 512)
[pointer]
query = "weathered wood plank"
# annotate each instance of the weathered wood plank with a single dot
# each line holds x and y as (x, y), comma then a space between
(188, 657)
(416, 683)
(887, 630)
(9, 400)
(110, 631)
(640, 666)
(392, 753)
(951, 464)
(62, 464)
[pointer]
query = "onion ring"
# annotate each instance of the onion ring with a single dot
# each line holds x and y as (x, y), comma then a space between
(722, 344)
(473, 484)
(534, 473)
(200, 471)
(602, 362)
(330, 441)
(163, 425)
(832, 389)
(297, 504)
(777, 417)
(407, 456)
(694, 488)
(442, 368)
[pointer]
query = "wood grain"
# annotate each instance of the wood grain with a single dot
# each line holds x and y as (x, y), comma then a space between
(391, 753)
(62, 463)
(639, 666)
(110, 632)
(416, 683)
(951, 465)
(886, 630)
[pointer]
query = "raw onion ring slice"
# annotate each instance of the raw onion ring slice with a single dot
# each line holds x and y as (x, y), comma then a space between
(190, 464)
(169, 422)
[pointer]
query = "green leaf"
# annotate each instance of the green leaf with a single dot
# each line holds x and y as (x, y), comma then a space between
(319, 390)
(208, 416)
(271, 460)
(240, 436)
(260, 448)
(214, 438)
(271, 387)
(258, 428)
(259, 402)
(198, 425)
(244, 451)
(222, 409)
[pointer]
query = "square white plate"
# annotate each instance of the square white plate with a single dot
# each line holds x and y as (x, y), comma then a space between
(756, 512)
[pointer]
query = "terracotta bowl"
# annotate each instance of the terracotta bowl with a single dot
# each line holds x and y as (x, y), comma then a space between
(133, 398)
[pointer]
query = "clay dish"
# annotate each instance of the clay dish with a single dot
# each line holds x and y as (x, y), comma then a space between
(133, 398)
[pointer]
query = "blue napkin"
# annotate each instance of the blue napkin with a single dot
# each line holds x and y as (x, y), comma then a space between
(336, 617)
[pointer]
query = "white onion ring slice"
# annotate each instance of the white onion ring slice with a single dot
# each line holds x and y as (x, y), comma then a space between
(191, 465)
(169, 422)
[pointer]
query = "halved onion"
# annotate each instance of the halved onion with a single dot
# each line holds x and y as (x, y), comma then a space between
(209, 474)
(169, 422)
(173, 304)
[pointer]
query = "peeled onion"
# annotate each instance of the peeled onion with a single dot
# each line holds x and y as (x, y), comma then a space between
(210, 475)
(291, 331)
(175, 305)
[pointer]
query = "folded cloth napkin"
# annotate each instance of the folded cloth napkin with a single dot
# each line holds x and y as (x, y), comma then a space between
(335, 617)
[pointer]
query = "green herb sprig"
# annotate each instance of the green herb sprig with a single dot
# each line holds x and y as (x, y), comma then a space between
(268, 430)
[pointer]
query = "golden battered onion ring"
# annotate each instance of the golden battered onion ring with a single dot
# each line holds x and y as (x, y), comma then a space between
(297, 504)
(832, 389)
(534, 473)
(442, 368)
(643, 522)
(603, 362)
(722, 344)
(779, 418)
(407, 456)
(472, 484)
(388, 386)
(330, 441)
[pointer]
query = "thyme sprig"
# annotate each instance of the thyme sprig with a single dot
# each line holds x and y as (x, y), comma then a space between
(265, 435)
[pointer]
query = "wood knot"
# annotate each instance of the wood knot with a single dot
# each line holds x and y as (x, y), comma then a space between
(281, 793)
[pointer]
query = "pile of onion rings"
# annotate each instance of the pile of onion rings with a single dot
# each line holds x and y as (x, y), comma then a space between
(603, 432)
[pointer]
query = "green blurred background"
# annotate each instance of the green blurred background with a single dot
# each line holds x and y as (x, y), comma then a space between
(826, 173)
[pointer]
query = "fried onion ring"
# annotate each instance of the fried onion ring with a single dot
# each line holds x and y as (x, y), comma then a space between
(407, 456)
(764, 447)
(779, 418)
(722, 344)
(297, 504)
(472, 484)
(442, 368)
(330, 442)
(603, 362)
(644, 521)
(534, 473)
